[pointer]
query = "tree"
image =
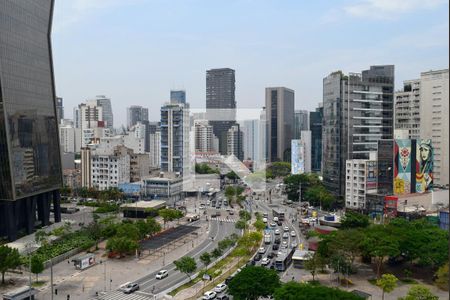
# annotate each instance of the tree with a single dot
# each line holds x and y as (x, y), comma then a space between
(259, 225)
(217, 252)
(95, 231)
(314, 263)
(419, 292)
(318, 195)
(379, 243)
(244, 215)
(253, 282)
(205, 259)
(240, 224)
(280, 169)
(186, 265)
(153, 226)
(37, 265)
(128, 230)
(232, 176)
(354, 220)
(442, 277)
(122, 245)
(168, 215)
(305, 291)
(387, 283)
(9, 259)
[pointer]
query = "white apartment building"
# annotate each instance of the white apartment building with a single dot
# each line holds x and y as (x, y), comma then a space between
(360, 180)
(407, 108)
(434, 117)
(129, 140)
(67, 138)
(251, 136)
(205, 140)
(155, 149)
(110, 168)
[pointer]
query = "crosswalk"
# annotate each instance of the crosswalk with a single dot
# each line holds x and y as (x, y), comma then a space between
(224, 220)
(118, 295)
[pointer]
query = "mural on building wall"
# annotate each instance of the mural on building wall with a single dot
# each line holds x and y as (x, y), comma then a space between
(402, 167)
(371, 175)
(424, 166)
(297, 158)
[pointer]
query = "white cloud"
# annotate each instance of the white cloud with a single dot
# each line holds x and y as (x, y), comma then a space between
(387, 9)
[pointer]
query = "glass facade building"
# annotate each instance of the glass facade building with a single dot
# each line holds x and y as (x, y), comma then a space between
(358, 111)
(315, 126)
(30, 161)
(178, 96)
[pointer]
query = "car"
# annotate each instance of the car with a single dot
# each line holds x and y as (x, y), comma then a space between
(279, 223)
(286, 229)
(202, 206)
(208, 202)
(123, 286)
(265, 220)
(277, 240)
(223, 297)
(231, 212)
(285, 235)
(220, 288)
(294, 244)
(162, 274)
(275, 247)
(271, 255)
(293, 234)
(277, 232)
(209, 295)
(257, 257)
(265, 215)
(284, 244)
(132, 287)
(225, 202)
(265, 261)
(229, 278)
(273, 224)
(275, 219)
(262, 250)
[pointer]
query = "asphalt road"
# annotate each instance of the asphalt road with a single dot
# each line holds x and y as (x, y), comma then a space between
(150, 286)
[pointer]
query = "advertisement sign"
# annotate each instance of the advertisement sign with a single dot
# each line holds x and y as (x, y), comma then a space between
(402, 167)
(424, 166)
(371, 175)
(297, 157)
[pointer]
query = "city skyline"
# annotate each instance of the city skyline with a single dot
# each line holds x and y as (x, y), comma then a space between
(287, 52)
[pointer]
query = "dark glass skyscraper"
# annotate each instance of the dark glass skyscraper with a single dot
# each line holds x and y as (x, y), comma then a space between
(315, 125)
(220, 102)
(357, 112)
(30, 162)
(178, 96)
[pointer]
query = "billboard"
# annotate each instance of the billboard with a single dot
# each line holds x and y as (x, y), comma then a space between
(403, 161)
(297, 157)
(424, 166)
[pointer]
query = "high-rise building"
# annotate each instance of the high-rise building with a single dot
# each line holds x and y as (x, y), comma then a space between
(251, 136)
(136, 113)
(59, 109)
(30, 160)
(434, 120)
(407, 108)
(263, 144)
(175, 138)
(280, 122)
(301, 122)
(155, 149)
(107, 114)
(360, 180)
(357, 112)
(178, 96)
(234, 142)
(221, 103)
(315, 125)
(67, 138)
(305, 138)
(204, 136)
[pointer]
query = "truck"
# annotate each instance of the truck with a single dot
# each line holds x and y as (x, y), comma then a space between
(267, 239)
(84, 262)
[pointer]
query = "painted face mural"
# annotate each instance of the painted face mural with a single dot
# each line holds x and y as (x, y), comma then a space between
(424, 166)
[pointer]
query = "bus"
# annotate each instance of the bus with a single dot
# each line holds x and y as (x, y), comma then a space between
(278, 213)
(284, 259)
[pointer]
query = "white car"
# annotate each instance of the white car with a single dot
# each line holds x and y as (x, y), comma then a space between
(294, 244)
(265, 261)
(220, 288)
(277, 232)
(162, 274)
(273, 224)
(286, 229)
(265, 220)
(202, 206)
(293, 233)
(275, 219)
(209, 295)
(284, 244)
(262, 250)
(285, 235)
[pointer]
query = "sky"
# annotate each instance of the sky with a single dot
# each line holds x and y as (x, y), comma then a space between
(136, 51)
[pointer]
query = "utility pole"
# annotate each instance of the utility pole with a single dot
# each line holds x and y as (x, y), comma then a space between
(51, 276)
